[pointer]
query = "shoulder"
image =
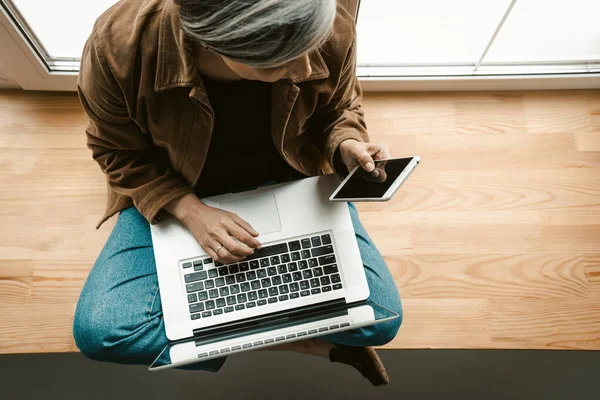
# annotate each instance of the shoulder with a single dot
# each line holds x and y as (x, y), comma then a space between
(126, 29)
(126, 17)
(341, 43)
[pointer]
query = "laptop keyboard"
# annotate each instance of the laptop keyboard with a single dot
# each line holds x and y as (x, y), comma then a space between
(302, 267)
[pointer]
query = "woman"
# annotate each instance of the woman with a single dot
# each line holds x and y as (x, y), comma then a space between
(192, 98)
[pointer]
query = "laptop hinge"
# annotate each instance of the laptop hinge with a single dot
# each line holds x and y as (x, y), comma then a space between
(267, 319)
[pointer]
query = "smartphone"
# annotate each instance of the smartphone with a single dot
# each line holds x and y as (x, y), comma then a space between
(361, 185)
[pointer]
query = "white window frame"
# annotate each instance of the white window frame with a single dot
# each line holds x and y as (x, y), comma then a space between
(22, 63)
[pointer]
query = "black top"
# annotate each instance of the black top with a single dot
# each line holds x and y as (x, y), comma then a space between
(241, 154)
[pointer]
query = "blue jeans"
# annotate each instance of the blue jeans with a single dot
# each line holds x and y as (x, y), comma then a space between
(119, 314)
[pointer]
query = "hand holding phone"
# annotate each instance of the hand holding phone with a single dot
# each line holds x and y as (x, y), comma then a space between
(355, 153)
(361, 185)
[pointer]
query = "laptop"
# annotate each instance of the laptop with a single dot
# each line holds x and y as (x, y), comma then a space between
(306, 281)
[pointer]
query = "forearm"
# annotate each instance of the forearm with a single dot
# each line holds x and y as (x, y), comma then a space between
(183, 207)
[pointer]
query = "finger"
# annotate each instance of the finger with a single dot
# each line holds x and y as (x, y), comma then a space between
(212, 254)
(214, 249)
(381, 175)
(242, 235)
(365, 160)
(234, 247)
(227, 257)
(377, 175)
(379, 152)
(244, 225)
(221, 253)
(351, 166)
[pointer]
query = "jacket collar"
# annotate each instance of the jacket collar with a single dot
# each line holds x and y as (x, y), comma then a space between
(175, 60)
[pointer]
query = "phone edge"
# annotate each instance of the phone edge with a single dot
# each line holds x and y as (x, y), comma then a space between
(341, 185)
(401, 179)
(391, 191)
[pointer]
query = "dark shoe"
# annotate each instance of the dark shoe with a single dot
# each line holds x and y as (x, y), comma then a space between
(364, 359)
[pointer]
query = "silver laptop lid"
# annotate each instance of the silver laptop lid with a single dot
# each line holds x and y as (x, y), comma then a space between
(284, 330)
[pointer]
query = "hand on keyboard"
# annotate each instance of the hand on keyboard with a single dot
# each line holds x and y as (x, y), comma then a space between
(223, 235)
(303, 266)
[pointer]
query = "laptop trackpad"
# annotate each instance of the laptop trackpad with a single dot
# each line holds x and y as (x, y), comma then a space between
(259, 211)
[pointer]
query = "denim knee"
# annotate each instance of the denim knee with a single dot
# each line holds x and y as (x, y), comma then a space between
(374, 335)
(92, 329)
(384, 332)
(88, 336)
(101, 336)
(106, 328)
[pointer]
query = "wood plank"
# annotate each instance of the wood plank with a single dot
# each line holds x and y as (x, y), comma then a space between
(15, 281)
(37, 328)
(431, 190)
(540, 275)
(510, 151)
(50, 283)
(453, 323)
(481, 231)
(587, 141)
(41, 120)
(592, 272)
(569, 112)
(541, 324)
(475, 116)
(494, 242)
(408, 114)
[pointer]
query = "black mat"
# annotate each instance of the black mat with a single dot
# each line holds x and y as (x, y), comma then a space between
(414, 374)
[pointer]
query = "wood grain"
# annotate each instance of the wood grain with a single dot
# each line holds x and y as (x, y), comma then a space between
(494, 242)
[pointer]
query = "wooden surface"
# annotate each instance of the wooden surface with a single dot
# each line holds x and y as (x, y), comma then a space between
(494, 241)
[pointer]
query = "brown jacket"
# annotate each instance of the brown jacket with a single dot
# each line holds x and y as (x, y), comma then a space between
(151, 121)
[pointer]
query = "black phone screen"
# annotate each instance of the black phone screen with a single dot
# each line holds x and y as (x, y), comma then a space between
(363, 184)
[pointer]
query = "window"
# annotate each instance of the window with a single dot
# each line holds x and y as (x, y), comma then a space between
(409, 40)
(425, 36)
(57, 29)
(542, 35)
(474, 37)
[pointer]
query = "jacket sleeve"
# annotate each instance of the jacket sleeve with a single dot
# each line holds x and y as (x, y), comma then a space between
(125, 153)
(342, 117)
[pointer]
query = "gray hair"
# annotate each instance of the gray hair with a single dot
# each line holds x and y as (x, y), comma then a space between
(259, 33)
